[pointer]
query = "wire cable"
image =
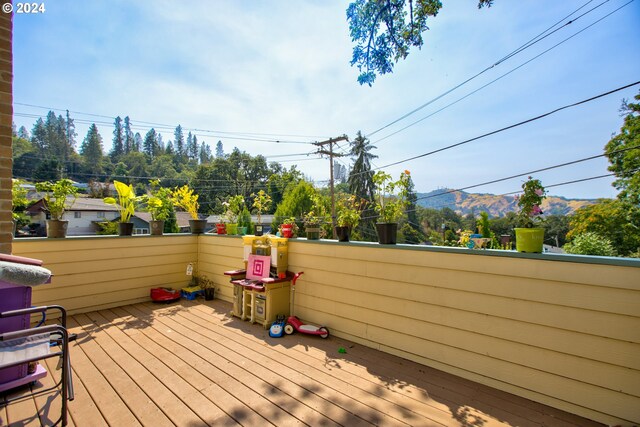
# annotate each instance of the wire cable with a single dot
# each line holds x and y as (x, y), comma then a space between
(523, 47)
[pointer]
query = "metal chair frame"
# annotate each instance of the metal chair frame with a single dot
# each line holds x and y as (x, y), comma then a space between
(65, 382)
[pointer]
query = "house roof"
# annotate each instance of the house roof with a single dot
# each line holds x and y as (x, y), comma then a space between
(80, 204)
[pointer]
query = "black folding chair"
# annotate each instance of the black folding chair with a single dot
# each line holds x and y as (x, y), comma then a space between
(34, 344)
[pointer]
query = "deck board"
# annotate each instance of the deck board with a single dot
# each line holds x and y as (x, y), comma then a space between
(191, 363)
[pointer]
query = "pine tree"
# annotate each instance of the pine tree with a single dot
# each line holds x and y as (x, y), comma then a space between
(118, 141)
(23, 133)
(361, 183)
(71, 132)
(150, 144)
(128, 136)
(192, 147)
(169, 149)
(92, 151)
(219, 150)
(205, 153)
(137, 142)
(178, 143)
(39, 137)
(412, 216)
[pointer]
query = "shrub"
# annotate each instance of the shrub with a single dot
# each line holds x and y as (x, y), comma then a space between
(590, 243)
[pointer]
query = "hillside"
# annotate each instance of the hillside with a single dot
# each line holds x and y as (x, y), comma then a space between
(464, 203)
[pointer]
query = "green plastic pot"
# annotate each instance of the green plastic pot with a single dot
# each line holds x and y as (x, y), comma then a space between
(529, 240)
(232, 229)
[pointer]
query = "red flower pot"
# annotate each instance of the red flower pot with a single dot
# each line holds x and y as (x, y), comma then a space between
(221, 228)
(287, 230)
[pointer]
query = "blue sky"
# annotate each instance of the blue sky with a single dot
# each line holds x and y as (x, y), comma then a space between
(281, 69)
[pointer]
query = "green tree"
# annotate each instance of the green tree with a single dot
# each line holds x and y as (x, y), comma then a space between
(150, 144)
(556, 228)
(623, 151)
(205, 153)
(361, 183)
(128, 136)
(615, 219)
(417, 235)
(297, 200)
(178, 144)
(92, 151)
(590, 243)
(118, 141)
(384, 30)
(219, 149)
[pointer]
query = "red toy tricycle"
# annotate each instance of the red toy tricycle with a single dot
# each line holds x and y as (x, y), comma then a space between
(295, 324)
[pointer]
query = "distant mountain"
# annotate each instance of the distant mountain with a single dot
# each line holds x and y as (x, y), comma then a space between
(464, 203)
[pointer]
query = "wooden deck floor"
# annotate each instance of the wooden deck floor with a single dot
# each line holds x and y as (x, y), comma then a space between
(192, 364)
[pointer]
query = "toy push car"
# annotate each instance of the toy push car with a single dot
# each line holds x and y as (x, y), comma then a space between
(164, 295)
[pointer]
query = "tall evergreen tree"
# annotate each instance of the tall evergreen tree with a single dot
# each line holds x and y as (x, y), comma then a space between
(169, 149)
(71, 132)
(92, 151)
(361, 182)
(150, 144)
(118, 141)
(39, 137)
(219, 150)
(128, 136)
(412, 216)
(192, 147)
(137, 142)
(205, 153)
(178, 143)
(23, 133)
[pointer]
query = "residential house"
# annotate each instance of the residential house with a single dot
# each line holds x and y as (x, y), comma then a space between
(83, 216)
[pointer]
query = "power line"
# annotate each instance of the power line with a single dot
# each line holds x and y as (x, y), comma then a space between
(249, 136)
(510, 126)
(530, 172)
(502, 76)
(523, 47)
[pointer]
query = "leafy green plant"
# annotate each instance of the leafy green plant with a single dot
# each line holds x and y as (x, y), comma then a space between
(391, 198)
(158, 203)
(590, 243)
(349, 210)
(319, 213)
(483, 225)
(19, 200)
(244, 219)
(261, 203)
(233, 208)
(530, 202)
(55, 197)
(127, 200)
(184, 198)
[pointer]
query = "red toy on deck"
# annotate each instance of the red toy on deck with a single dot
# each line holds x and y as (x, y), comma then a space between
(295, 324)
(164, 295)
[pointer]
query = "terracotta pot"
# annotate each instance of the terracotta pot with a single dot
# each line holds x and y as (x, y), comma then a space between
(56, 229)
(387, 233)
(157, 228)
(221, 228)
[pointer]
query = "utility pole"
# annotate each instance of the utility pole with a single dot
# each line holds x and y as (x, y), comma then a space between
(331, 154)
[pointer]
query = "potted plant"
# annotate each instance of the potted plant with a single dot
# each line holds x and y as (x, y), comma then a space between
(288, 228)
(244, 222)
(348, 212)
(261, 203)
(184, 198)
(159, 205)
(55, 199)
(391, 199)
(233, 206)
(314, 219)
(529, 234)
(126, 204)
(206, 285)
